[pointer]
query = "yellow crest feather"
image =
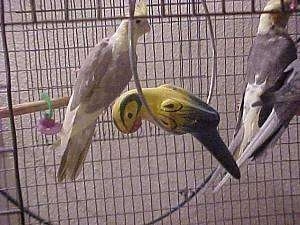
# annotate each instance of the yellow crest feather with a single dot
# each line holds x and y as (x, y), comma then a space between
(275, 4)
(141, 8)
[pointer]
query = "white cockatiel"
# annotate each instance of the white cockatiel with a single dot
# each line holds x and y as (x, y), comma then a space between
(101, 79)
(271, 53)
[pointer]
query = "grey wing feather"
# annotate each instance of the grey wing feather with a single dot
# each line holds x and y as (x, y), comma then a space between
(110, 86)
(269, 57)
(91, 72)
(270, 54)
(273, 126)
(240, 116)
(295, 66)
(268, 62)
(290, 90)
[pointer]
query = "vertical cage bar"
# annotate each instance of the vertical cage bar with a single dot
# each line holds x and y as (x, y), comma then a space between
(193, 7)
(223, 7)
(9, 100)
(33, 11)
(3, 205)
(163, 9)
(1, 136)
(67, 17)
(253, 6)
(99, 6)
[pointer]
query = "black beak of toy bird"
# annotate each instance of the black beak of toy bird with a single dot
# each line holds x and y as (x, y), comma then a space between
(180, 112)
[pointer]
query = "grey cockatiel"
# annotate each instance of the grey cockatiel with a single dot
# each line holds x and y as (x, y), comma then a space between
(267, 73)
(101, 78)
(286, 104)
(272, 51)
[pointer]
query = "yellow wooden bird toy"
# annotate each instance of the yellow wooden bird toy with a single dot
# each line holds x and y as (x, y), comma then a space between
(180, 112)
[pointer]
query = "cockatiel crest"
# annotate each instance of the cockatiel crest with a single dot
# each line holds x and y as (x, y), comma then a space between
(141, 9)
(275, 4)
(280, 14)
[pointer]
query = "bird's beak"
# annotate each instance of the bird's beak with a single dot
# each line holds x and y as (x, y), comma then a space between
(137, 124)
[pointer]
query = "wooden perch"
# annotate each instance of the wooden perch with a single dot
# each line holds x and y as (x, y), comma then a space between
(30, 107)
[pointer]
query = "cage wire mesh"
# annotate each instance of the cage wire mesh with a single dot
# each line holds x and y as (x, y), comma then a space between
(133, 179)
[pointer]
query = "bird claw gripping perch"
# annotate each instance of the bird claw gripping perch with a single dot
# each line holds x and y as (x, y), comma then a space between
(46, 125)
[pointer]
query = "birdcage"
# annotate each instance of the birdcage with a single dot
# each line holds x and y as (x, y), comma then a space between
(150, 176)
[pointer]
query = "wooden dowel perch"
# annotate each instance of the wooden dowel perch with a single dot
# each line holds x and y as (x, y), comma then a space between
(30, 107)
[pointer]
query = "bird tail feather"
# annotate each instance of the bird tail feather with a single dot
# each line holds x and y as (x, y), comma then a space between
(75, 153)
(266, 137)
(75, 139)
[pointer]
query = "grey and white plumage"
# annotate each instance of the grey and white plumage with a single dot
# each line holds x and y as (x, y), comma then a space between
(101, 79)
(282, 113)
(272, 51)
(259, 126)
(290, 90)
(286, 104)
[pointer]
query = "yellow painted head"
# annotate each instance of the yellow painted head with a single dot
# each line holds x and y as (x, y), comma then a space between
(126, 112)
